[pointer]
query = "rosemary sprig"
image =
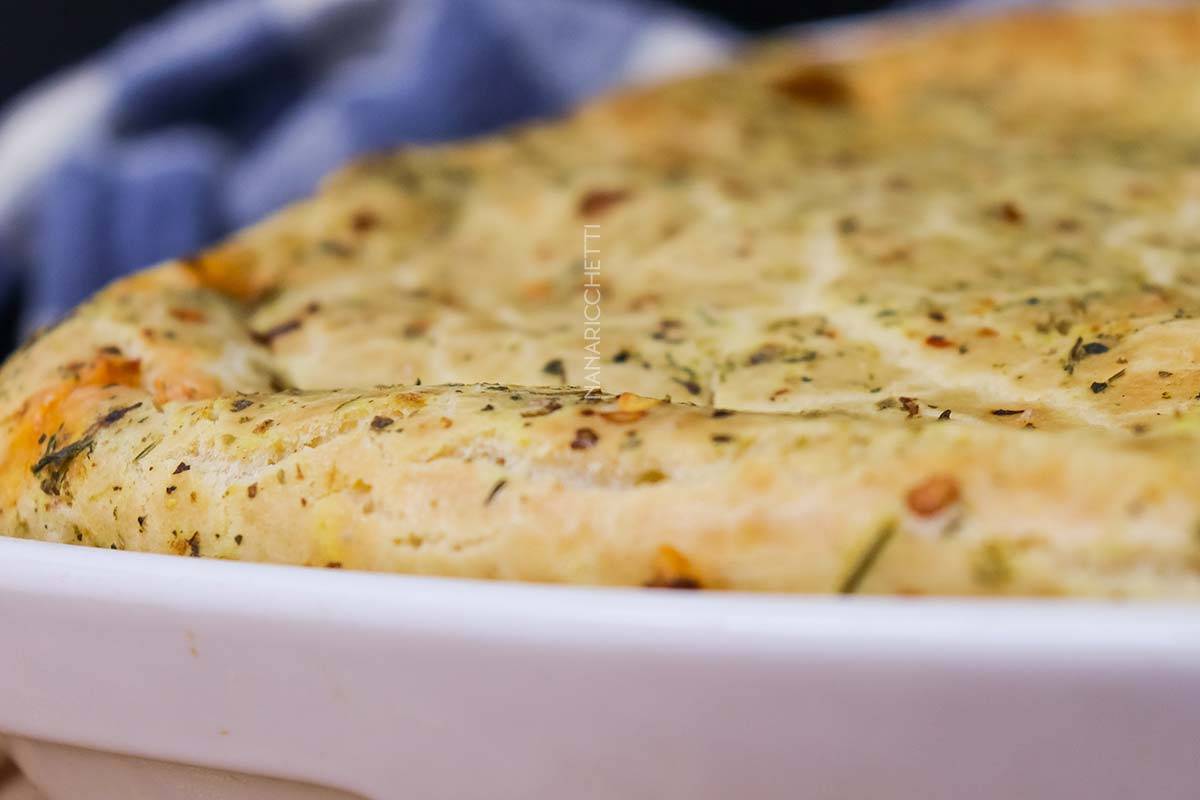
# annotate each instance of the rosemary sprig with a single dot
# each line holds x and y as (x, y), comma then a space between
(868, 557)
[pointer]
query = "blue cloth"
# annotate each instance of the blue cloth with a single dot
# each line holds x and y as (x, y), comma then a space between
(217, 114)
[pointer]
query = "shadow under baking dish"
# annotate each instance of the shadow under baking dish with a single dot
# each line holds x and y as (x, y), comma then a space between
(384, 686)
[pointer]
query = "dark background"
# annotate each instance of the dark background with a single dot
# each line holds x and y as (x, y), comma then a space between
(43, 35)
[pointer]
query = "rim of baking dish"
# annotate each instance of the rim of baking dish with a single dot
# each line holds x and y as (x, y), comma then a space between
(1070, 630)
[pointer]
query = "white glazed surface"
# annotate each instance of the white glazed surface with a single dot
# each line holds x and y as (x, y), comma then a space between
(388, 686)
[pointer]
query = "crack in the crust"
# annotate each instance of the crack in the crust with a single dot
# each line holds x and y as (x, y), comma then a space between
(863, 327)
(826, 260)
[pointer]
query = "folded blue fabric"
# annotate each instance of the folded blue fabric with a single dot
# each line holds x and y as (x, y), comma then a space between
(222, 112)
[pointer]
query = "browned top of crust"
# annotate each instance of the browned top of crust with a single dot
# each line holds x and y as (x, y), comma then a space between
(990, 223)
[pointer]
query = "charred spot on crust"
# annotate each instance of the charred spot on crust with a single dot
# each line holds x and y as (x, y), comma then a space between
(555, 367)
(416, 329)
(819, 87)
(278, 383)
(540, 411)
(673, 571)
(668, 330)
(585, 438)
(114, 415)
(598, 201)
(189, 315)
(1009, 212)
(267, 337)
(676, 582)
(364, 220)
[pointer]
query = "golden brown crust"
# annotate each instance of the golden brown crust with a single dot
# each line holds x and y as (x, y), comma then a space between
(921, 320)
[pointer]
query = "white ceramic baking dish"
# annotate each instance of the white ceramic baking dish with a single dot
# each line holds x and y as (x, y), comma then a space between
(126, 676)
(117, 669)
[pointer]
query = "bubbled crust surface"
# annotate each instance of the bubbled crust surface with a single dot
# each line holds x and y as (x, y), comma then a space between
(920, 320)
